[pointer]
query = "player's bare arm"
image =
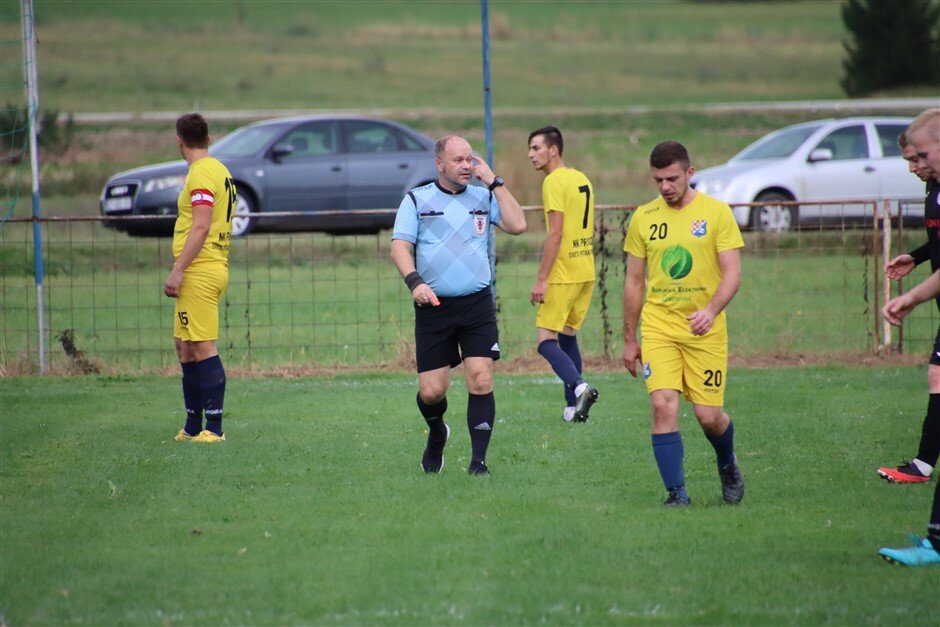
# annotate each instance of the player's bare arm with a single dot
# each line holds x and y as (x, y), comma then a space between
(899, 267)
(634, 291)
(550, 248)
(897, 308)
(729, 261)
(195, 240)
(512, 218)
(403, 256)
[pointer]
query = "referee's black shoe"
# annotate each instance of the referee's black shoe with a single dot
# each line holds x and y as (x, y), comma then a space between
(433, 459)
(586, 400)
(478, 468)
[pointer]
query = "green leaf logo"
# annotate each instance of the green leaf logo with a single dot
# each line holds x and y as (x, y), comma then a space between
(677, 262)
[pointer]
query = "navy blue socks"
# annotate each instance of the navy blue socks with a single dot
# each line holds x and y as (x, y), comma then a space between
(668, 451)
(569, 344)
(724, 445)
(481, 416)
(212, 390)
(192, 398)
(562, 365)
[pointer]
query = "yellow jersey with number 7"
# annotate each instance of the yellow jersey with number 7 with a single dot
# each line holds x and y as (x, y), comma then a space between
(208, 184)
(567, 190)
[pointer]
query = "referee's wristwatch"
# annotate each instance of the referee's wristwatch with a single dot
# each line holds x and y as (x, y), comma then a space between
(497, 182)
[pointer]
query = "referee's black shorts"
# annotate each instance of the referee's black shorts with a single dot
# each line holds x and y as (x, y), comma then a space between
(460, 327)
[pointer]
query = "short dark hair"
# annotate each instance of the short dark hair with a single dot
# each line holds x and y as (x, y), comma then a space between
(669, 152)
(552, 137)
(193, 129)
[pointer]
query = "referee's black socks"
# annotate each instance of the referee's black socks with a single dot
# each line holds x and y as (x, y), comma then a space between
(434, 416)
(481, 414)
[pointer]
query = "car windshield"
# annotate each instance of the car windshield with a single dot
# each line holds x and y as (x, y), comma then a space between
(778, 145)
(246, 141)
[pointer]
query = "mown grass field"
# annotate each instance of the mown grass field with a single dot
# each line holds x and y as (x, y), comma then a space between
(315, 510)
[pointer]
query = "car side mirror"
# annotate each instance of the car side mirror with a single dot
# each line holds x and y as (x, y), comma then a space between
(820, 154)
(281, 150)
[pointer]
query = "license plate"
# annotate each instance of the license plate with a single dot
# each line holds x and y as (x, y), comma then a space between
(118, 204)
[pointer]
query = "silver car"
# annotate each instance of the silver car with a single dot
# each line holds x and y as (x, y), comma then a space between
(828, 160)
(324, 167)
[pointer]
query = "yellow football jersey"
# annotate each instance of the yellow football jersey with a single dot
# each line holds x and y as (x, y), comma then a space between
(208, 184)
(681, 250)
(569, 191)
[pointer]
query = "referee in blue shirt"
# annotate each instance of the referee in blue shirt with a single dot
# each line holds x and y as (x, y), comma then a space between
(440, 245)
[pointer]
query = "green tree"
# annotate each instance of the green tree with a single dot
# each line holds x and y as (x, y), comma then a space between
(892, 43)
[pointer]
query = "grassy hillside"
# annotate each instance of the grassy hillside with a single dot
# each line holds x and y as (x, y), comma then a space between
(149, 55)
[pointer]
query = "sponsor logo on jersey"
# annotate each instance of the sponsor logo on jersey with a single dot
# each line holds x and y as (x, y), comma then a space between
(676, 262)
(699, 228)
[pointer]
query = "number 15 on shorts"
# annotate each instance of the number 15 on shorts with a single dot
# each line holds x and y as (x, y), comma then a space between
(184, 318)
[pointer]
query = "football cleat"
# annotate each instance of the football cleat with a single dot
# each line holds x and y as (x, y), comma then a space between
(208, 437)
(677, 499)
(921, 554)
(732, 484)
(905, 473)
(586, 399)
(478, 468)
(568, 415)
(433, 459)
(182, 436)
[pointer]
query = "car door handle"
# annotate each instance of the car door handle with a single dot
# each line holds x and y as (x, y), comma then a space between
(336, 168)
(869, 168)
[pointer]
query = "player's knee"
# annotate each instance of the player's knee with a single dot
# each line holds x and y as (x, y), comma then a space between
(711, 419)
(432, 392)
(480, 382)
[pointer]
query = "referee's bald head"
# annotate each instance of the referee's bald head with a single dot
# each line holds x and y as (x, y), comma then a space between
(441, 144)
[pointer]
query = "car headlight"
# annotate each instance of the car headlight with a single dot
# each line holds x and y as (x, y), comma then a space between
(164, 182)
(711, 186)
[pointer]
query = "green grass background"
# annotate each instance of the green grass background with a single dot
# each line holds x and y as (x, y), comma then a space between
(315, 510)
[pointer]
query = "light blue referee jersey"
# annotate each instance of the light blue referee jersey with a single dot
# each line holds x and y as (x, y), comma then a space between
(450, 233)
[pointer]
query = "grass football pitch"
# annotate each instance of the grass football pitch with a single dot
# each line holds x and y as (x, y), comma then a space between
(315, 510)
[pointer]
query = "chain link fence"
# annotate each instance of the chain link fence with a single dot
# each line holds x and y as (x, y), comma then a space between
(302, 302)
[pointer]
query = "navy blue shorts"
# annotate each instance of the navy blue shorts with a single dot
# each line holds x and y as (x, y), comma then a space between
(460, 327)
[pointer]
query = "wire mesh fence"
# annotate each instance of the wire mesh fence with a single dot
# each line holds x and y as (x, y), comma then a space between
(316, 301)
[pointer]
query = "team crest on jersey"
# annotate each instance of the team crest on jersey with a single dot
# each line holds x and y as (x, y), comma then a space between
(646, 370)
(479, 224)
(699, 228)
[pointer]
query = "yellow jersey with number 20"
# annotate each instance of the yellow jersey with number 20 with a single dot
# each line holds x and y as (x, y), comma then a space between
(567, 190)
(681, 249)
(208, 184)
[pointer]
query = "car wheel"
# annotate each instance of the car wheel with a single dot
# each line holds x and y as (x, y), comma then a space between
(242, 223)
(771, 218)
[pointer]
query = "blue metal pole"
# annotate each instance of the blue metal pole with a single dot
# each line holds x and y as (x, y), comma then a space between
(32, 112)
(488, 122)
(487, 95)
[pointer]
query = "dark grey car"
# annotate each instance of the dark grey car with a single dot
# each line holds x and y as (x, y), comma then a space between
(323, 167)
